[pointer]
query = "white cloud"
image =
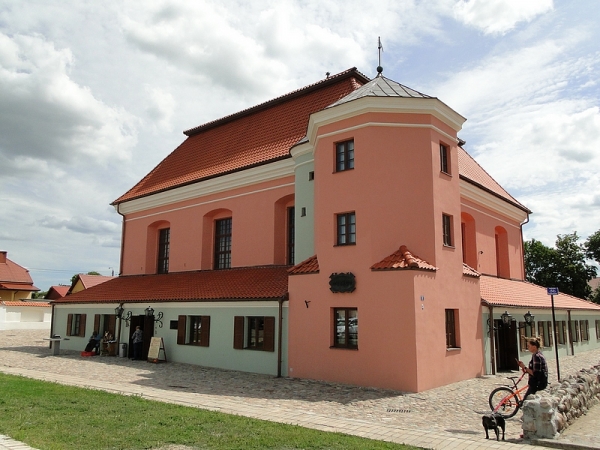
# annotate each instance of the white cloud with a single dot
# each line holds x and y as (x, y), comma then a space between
(499, 16)
(160, 109)
(45, 115)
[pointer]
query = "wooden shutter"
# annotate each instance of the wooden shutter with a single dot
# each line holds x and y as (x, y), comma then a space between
(181, 330)
(523, 338)
(238, 332)
(112, 324)
(204, 331)
(269, 335)
(97, 323)
(69, 324)
(82, 325)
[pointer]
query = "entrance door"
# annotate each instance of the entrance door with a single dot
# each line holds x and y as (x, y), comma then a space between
(146, 324)
(507, 349)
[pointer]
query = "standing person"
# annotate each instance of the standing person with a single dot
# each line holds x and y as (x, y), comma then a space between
(537, 370)
(138, 339)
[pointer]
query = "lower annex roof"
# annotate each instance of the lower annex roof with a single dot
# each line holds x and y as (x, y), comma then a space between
(244, 283)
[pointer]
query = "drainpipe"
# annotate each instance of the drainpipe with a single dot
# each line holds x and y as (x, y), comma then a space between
(492, 341)
(119, 334)
(122, 238)
(280, 334)
(51, 325)
(522, 249)
(570, 335)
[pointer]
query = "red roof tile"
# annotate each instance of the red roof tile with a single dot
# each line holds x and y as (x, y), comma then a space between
(310, 265)
(17, 303)
(258, 135)
(56, 292)
(89, 281)
(11, 272)
(469, 271)
(18, 287)
(402, 259)
(244, 283)
(522, 294)
(472, 172)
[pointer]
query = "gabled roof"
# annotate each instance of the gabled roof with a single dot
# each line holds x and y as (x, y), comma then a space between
(244, 283)
(522, 294)
(89, 281)
(258, 135)
(11, 272)
(381, 86)
(402, 259)
(472, 172)
(56, 292)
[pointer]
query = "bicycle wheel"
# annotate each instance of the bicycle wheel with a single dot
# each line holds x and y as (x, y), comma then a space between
(504, 402)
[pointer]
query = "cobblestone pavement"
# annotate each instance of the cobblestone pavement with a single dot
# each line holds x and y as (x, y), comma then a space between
(445, 417)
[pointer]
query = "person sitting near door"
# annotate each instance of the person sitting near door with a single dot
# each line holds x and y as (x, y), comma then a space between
(93, 344)
(138, 339)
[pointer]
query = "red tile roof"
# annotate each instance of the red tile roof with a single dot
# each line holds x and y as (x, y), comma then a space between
(56, 292)
(522, 294)
(89, 281)
(244, 283)
(11, 272)
(17, 303)
(472, 172)
(402, 259)
(258, 135)
(469, 271)
(18, 287)
(310, 265)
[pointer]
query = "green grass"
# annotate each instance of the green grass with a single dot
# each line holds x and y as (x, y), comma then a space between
(51, 416)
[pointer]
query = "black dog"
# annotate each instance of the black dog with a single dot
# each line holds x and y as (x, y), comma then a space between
(492, 422)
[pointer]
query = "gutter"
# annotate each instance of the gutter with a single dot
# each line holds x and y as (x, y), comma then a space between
(280, 333)
(522, 246)
(122, 239)
(492, 336)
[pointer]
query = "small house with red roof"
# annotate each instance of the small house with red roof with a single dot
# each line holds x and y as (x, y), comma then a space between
(340, 232)
(17, 309)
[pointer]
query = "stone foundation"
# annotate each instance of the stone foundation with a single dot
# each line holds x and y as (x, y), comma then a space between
(549, 412)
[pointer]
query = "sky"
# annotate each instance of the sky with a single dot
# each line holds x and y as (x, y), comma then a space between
(93, 95)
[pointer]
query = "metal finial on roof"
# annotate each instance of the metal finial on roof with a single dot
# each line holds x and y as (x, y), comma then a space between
(380, 49)
(327, 74)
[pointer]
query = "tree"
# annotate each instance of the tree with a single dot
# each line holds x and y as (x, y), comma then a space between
(592, 247)
(563, 267)
(74, 277)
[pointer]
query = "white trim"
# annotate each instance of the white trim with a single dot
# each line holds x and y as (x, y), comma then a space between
(365, 105)
(266, 172)
(483, 198)
(229, 197)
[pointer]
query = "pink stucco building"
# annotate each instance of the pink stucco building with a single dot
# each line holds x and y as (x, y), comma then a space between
(340, 232)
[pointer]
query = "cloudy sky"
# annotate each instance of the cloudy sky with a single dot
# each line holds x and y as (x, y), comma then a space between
(94, 94)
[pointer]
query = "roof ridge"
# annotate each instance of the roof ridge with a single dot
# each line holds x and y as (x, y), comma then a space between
(266, 104)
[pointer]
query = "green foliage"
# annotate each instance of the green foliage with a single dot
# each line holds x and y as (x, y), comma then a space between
(51, 416)
(592, 247)
(40, 294)
(563, 267)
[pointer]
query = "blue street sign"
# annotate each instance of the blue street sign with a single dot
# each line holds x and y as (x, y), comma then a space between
(552, 291)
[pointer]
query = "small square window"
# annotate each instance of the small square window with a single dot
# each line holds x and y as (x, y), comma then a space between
(346, 229)
(311, 176)
(344, 156)
(447, 230)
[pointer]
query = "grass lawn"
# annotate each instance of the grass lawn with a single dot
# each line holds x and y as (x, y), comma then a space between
(51, 416)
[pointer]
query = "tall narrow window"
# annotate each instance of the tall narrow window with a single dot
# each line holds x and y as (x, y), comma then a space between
(290, 235)
(444, 159)
(222, 244)
(344, 156)
(345, 326)
(346, 229)
(451, 334)
(447, 229)
(164, 236)
(256, 329)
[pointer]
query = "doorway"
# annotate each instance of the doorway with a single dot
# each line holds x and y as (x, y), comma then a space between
(146, 324)
(507, 346)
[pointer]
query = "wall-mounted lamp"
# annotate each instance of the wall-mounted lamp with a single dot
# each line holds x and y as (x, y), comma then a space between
(506, 318)
(119, 310)
(529, 318)
(150, 313)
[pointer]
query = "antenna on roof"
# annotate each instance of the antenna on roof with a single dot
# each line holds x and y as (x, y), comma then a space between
(380, 49)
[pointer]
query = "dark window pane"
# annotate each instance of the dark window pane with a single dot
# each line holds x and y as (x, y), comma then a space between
(164, 237)
(222, 258)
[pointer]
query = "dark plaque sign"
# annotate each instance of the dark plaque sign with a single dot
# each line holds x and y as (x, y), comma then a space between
(342, 282)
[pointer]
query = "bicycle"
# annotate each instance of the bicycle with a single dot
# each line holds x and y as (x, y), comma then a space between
(507, 400)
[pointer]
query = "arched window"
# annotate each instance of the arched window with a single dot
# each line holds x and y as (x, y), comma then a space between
(217, 239)
(502, 263)
(469, 240)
